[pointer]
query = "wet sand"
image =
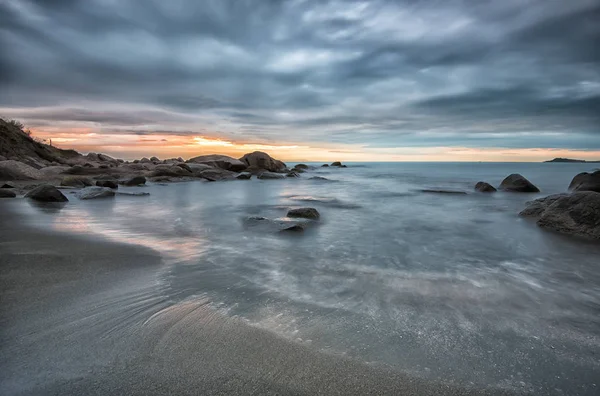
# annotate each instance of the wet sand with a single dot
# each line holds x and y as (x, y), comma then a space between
(87, 316)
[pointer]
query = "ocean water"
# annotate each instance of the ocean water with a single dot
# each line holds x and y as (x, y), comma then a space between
(452, 287)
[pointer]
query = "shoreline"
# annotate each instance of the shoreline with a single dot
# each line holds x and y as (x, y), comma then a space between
(85, 316)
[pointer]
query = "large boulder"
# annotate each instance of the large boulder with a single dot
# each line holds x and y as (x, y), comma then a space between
(537, 207)
(518, 183)
(16, 170)
(336, 163)
(46, 193)
(484, 187)
(270, 176)
(216, 174)
(7, 193)
(107, 183)
(76, 181)
(197, 168)
(170, 170)
(577, 214)
(301, 166)
(134, 181)
(95, 192)
(586, 182)
(219, 161)
(264, 161)
(306, 213)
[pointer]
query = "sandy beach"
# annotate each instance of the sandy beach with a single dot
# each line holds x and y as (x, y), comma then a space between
(82, 316)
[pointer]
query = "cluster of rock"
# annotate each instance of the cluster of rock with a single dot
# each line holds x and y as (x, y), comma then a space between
(297, 220)
(512, 183)
(336, 164)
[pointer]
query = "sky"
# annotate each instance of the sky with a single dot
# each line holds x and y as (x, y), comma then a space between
(381, 80)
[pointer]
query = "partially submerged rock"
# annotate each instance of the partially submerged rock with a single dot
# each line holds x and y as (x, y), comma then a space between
(263, 161)
(518, 183)
(46, 193)
(538, 206)
(76, 181)
(292, 174)
(301, 166)
(307, 213)
(434, 191)
(95, 192)
(107, 183)
(484, 187)
(265, 225)
(170, 170)
(220, 161)
(7, 193)
(586, 182)
(134, 181)
(577, 214)
(16, 170)
(325, 166)
(336, 163)
(270, 176)
(216, 174)
(244, 176)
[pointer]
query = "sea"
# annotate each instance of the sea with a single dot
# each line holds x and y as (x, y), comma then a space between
(455, 287)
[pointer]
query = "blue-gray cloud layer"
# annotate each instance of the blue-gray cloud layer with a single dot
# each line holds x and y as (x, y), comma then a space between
(381, 73)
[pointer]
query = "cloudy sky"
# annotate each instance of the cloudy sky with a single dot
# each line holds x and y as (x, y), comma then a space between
(512, 80)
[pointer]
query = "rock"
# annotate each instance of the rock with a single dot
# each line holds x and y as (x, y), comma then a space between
(294, 228)
(135, 181)
(443, 192)
(577, 214)
(7, 193)
(154, 160)
(586, 182)
(51, 172)
(134, 194)
(95, 192)
(136, 161)
(318, 178)
(107, 183)
(46, 193)
(170, 170)
(263, 161)
(88, 165)
(145, 161)
(270, 176)
(16, 170)
(336, 163)
(298, 170)
(484, 187)
(220, 161)
(197, 168)
(216, 174)
(307, 213)
(538, 206)
(185, 166)
(292, 174)
(263, 224)
(244, 176)
(162, 179)
(325, 166)
(2, 158)
(6, 185)
(517, 183)
(301, 166)
(76, 181)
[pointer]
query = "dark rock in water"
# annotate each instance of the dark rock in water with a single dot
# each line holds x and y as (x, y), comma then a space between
(292, 174)
(76, 181)
(264, 161)
(301, 166)
(336, 163)
(270, 176)
(216, 174)
(307, 213)
(7, 186)
(7, 193)
(298, 170)
(586, 182)
(325, 166)
(484, 187)
(263, 224)
(107, 183)
(134, 194)
(538, 206)
(134, 181)
(219, 161)
(577, 214)
(294, 228)
(444, 192)
(95, 192)
(518, 183)
(46, 193)
(244, 176)
(318, 178)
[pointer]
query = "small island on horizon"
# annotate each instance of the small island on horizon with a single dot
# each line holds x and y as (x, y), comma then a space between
(572, 160)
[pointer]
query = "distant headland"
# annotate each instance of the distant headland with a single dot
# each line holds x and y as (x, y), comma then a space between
(572, 160)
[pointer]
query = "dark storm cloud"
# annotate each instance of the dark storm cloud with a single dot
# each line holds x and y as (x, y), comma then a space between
(381, 73)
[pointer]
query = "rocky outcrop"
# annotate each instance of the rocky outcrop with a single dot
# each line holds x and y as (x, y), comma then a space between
(306, 213)
(265, 225)
(451, 192)
(518, 183)
(170, 170)
(76, 181)
(586, 182)
(216, 174)
(220, 161)
(7, 193)
(261, 160)
(577, 214)
(270, 176)
(154, 160)
(46, 193)
(301, 166)
(484, 187)
(197, 168)
(107, 183)
(95, 192)
(16, 170)
(336, 163)
(134, 181)
(325, 166)
(538, 206)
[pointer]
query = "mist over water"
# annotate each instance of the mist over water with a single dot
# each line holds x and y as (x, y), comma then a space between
(456, 287)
